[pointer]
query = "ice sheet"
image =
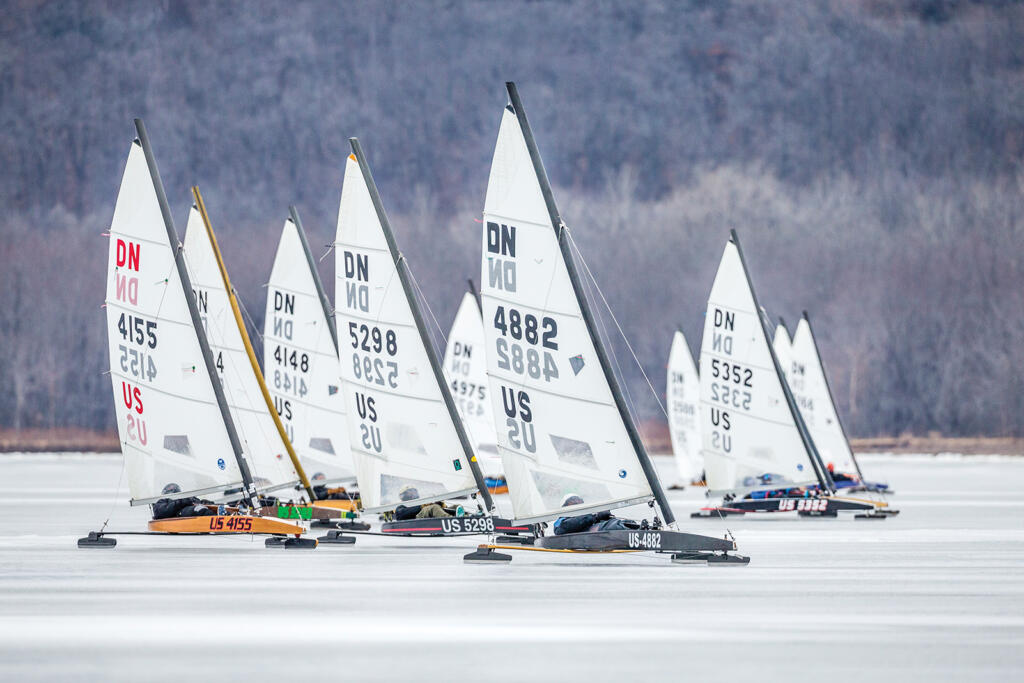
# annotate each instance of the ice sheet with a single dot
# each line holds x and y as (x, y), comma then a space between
(934, 594)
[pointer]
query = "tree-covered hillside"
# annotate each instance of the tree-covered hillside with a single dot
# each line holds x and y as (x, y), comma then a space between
(869, 152)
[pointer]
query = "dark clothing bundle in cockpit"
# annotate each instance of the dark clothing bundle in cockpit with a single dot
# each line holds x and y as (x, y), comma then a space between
(165, 508)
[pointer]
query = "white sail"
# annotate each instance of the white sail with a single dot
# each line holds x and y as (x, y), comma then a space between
(783, 348)
(683, 397)
(465, 366)
(265, 450)
(559, 430)
(751, 438)
(806, 377)
(400, 429)
(299, 357)
(170, 427)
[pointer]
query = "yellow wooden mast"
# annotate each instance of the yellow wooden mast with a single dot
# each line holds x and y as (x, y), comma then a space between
(248, 348)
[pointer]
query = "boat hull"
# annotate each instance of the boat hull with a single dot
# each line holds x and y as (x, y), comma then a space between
(645, 539)
(224, 524)
(813, 507)
(454, 526)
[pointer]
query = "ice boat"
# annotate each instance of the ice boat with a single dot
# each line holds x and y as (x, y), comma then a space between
(682, 396)
(177, 430)
(568, 443)
(466, 369)
(409, 445)
(758, 453)
(300, 361)
(805, 373)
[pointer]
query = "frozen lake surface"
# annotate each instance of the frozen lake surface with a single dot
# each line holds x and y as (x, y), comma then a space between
(936, 593)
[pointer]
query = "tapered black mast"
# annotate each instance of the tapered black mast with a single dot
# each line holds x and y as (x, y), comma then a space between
(293, 215)
(588, 317)
(406, 279)
(812, 451)
(249, 492)
(476, 295)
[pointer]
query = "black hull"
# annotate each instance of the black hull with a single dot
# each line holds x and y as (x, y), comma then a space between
(805, 507)
(655, 541)
(454, 526)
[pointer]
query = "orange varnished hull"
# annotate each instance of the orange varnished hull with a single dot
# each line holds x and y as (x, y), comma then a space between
(225, 524)
(336, 505)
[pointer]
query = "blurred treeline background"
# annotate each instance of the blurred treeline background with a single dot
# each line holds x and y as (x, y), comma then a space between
(869, 152)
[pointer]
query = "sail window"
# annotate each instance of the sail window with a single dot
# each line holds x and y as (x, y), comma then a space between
(322, 444)
(554, 488)
(177, 444)
(391, 488)
(573, 452)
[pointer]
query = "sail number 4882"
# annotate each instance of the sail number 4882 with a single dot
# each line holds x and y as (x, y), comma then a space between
(526, 328)
(511, 356)
(648, 540)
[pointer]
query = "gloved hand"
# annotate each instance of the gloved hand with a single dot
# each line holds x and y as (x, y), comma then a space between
(603, 515)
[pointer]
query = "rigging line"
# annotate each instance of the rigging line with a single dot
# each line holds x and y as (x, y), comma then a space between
(591, 277)
(590, 282)
(117, 493)
(423, 298)
(252, 323)
(426, 304)
(617, 325)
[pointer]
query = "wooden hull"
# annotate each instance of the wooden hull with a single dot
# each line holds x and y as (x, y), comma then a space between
(225, 524)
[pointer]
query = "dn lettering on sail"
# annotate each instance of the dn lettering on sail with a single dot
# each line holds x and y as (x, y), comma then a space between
(357, 276)
(284, 305)
(721, 337)
(501, 254)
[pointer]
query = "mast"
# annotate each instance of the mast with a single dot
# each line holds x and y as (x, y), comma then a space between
(588, 317)
(328, 313)
(828, 388)
(248, 347)
(404, 276)
(249, 488)
(812, 452)
(476, 296)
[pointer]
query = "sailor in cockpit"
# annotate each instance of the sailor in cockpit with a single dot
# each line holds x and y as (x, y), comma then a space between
(600, 521)
(165, 508)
